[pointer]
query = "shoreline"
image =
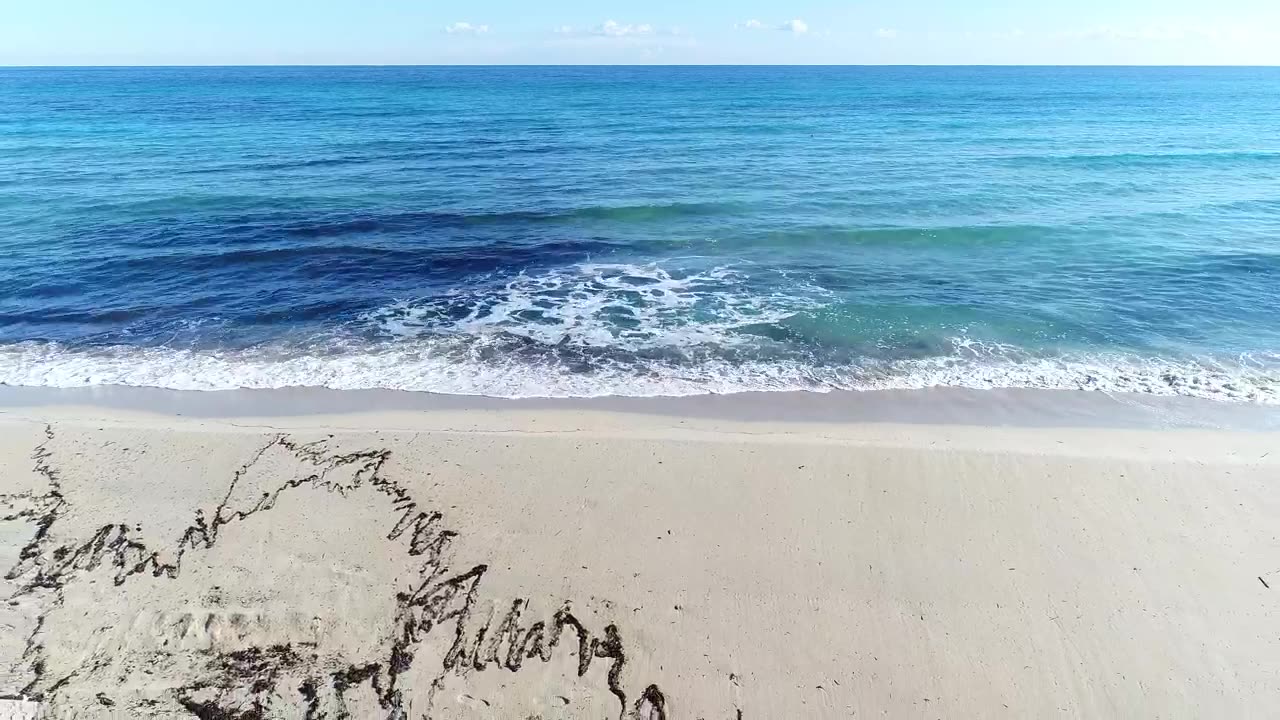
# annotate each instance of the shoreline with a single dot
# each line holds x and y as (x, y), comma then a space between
(1031, 408)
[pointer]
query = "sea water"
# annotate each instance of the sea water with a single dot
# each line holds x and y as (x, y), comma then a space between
(642, 230)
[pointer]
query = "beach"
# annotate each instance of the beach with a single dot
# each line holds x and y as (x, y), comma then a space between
(562, 560)
(707, 392)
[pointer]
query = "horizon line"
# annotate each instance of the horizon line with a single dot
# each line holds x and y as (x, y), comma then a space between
(621, 65)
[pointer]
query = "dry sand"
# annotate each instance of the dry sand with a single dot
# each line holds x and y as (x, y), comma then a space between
(573, 564)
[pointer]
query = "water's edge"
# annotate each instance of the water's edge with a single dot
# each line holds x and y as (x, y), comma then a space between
(934, 406)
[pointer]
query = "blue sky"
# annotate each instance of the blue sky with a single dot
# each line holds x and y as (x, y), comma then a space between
(129, 32)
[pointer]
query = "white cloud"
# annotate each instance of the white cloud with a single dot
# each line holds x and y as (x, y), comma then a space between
(1167, 33)
(466, 28)
(887, 33)
(612, 28)
(1157, 33)
(797, 26)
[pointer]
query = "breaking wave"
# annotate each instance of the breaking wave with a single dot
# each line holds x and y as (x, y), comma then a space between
(600, 329)
(466, 368)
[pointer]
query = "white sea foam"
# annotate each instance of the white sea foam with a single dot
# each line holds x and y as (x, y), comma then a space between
(423, 365)
(617, 306)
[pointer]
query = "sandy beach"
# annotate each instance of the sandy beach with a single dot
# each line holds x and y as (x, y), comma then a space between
(568, 562)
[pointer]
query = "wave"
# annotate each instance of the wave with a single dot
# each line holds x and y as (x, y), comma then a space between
(415, 221)
(685, 327)
(441, 366)
(192, 222)
(1140, 159)
(616, 306)
(418, 152)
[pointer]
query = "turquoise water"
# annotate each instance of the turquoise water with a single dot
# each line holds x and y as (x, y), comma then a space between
(642, 231)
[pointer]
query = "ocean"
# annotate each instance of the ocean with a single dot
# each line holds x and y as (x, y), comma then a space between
(642, 231)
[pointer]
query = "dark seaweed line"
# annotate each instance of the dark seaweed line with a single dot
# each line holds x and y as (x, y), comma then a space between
(44, 511)
(438, 598)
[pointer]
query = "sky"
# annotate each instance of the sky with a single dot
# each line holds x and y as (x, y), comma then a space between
(253, 32)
